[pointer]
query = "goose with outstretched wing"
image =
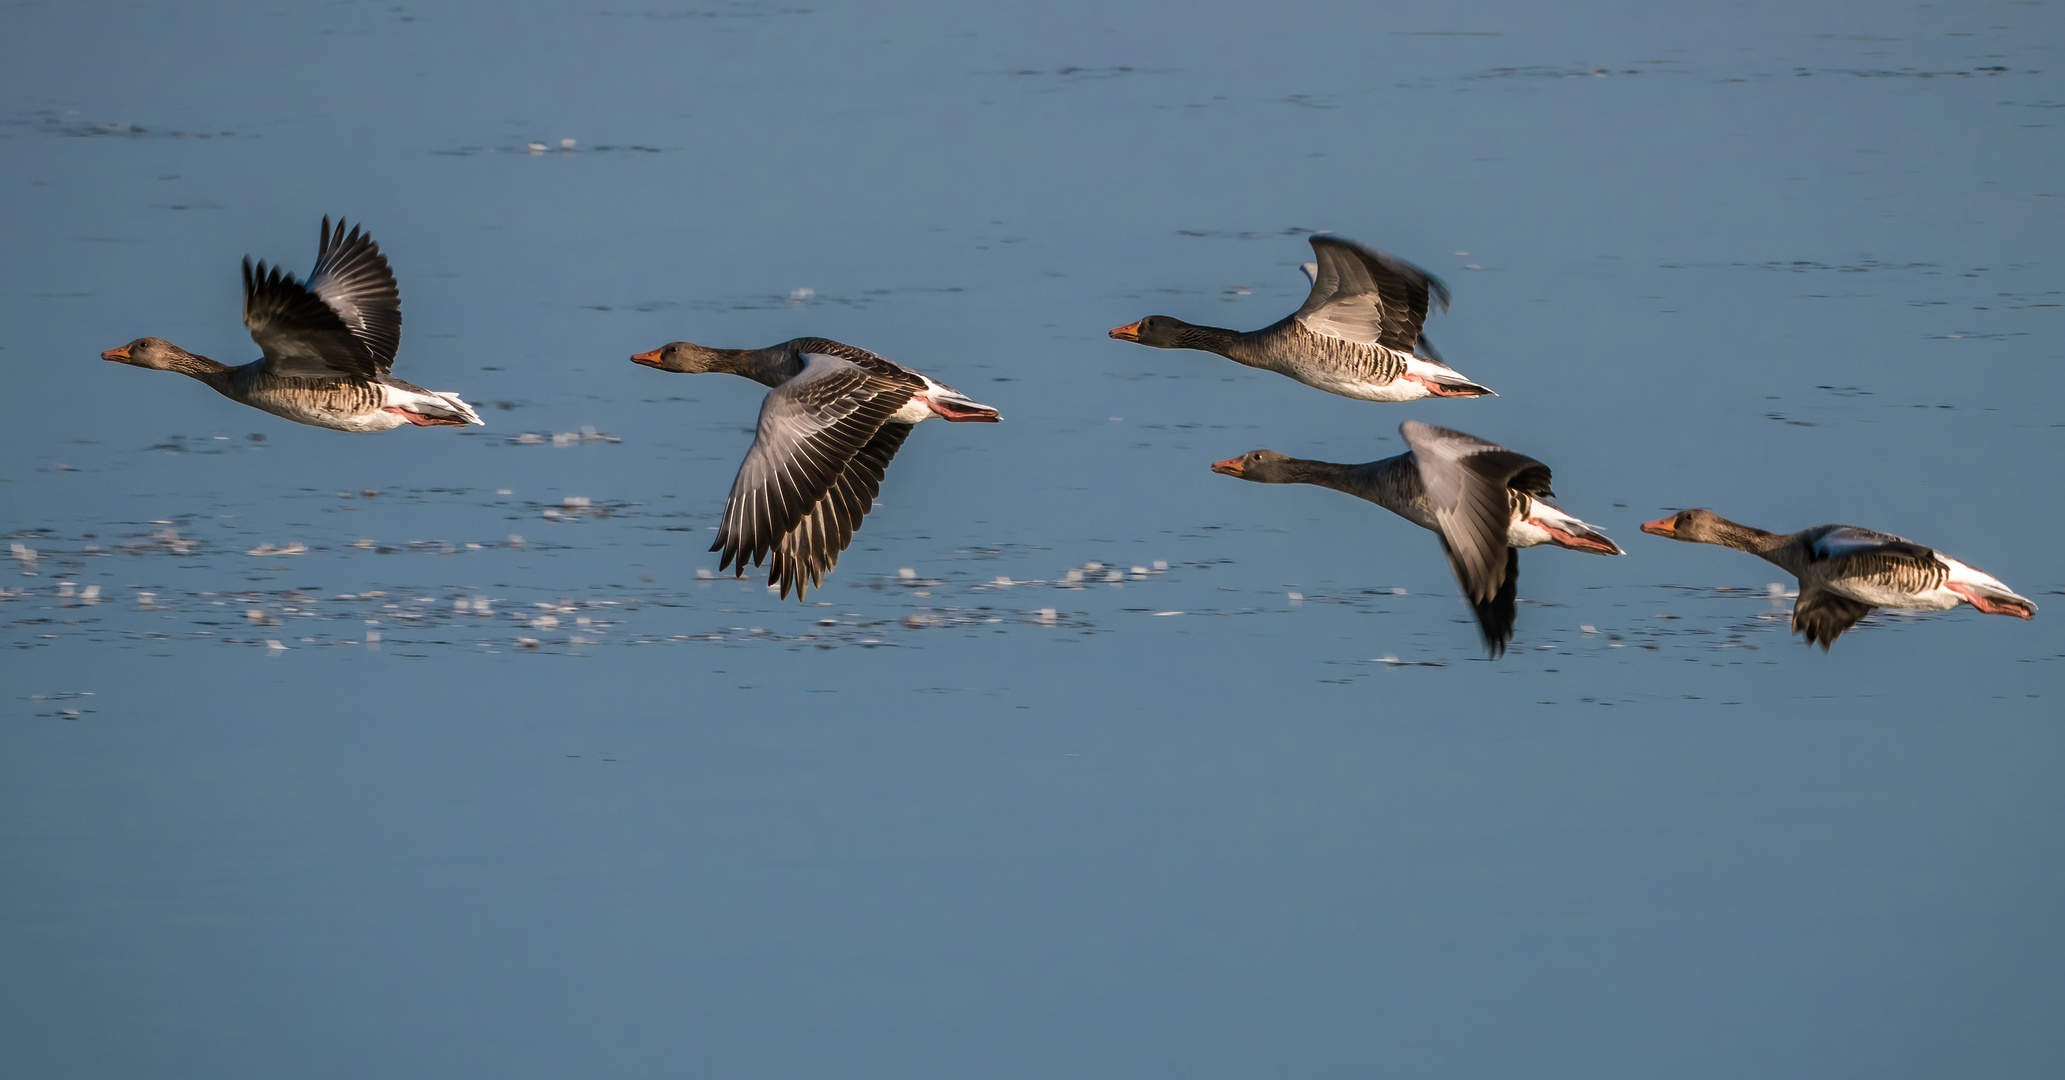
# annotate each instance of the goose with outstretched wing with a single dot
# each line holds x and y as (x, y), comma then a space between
(835, 417)
(1845, 571)
(1359, 333)
(328, 345)
(1484, 501)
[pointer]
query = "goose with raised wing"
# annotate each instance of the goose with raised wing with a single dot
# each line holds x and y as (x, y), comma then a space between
(1484, 501)
(835, 417)
(1845, 571)
(328, 346)
(1358, 334)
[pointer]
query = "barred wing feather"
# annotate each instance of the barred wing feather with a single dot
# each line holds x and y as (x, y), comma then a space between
(811, 428)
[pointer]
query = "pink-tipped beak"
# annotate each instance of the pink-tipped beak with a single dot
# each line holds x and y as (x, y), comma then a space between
(649, 359)
(120, 356)
(1128, 332)
(1661, 527)
(1229, 467)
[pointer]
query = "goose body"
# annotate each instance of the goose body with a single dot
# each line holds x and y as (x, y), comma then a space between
(1484, 501)
(1358, 333)
(1845, 571)
(329, 346)
(835, 416)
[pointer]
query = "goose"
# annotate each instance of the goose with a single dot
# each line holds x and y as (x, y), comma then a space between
(1357, 335)
(1845, 571)
(329, 345)
(835, 416)
(1485, 502)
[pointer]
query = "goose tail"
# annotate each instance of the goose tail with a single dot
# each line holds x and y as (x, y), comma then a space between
(1442, 380)
(459, 408)
(1987, 593)
(1566, 531)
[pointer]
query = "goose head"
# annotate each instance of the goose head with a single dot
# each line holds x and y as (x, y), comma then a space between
(686, 357)
(1159, 331)
(1697, 526)
(1261, 466)
(152, 352)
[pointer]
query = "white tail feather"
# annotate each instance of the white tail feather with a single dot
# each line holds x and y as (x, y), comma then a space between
(1555, 517)
(459, 407)
(1981, 582)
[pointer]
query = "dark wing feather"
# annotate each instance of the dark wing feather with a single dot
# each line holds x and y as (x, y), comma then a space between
(1364, 296)
(1469, 484)
(1823, 615)
(353, 278)
(812, 548)
(811, 427)
(1496, 614)
(300, 335)
(1848, 553)
(1838, 543)
(872, 363)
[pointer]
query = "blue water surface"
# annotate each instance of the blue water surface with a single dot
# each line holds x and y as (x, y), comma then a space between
(448, 753)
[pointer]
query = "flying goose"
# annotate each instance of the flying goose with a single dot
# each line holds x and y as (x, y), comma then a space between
(328, 344)
(1357, 335)
(835, 417)
(1484, 501)
(1846, 571)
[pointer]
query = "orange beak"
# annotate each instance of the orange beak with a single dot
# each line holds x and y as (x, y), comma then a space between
(120, 356)
(649, 359)
(1229, 467)
(1661, 527)
(1128, 332)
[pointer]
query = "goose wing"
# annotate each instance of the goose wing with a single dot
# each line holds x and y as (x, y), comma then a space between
(1422, 348)
(346, 321)
(812, 427)
(873, 363)
(1846, 552)
(1366, 297)
(1823, 615)
(1838, 543)
(1470, 485)
(810, 550)
(1496, 613)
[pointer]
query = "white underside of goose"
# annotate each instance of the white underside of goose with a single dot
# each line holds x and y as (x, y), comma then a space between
(379, 420)
(939, 399)
(1547, 523)
(399, 406)
(438, 404)
(1422, 378)
(1544, 523)
(1964, 585)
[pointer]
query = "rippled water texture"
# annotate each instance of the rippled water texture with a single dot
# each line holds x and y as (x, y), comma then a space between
(446, 753)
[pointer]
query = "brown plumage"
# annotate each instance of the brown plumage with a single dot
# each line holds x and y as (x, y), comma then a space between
(1844, 571)
(835, 417)
(1358, 334)
(329, 346)
(1484, 501)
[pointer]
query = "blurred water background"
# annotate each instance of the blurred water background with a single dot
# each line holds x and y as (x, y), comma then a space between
(442, 753)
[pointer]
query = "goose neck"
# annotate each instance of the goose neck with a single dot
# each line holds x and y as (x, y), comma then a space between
(1326, 474)
(1747, 538)
(769, 367)
(213, 372)
(1211, 339)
